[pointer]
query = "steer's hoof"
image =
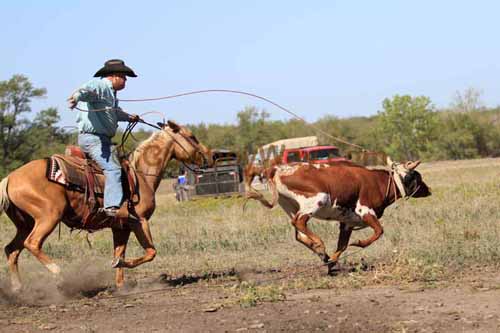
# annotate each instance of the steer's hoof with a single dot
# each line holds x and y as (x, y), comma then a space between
(117, 262)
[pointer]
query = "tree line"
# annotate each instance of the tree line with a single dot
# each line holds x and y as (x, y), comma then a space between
(406, 128)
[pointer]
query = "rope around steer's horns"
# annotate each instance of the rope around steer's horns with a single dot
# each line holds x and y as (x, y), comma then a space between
(410, 165)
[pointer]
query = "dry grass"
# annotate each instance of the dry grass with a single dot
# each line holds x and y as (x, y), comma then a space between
(425, 239)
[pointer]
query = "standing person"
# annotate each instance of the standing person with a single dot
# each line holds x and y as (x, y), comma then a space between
(98, 125)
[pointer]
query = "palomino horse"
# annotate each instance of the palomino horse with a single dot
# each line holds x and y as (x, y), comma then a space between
(36, 205)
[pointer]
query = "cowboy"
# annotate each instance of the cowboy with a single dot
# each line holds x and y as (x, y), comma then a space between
(97, 125)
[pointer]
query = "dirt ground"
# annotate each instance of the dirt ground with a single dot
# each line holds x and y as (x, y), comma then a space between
(204, 304)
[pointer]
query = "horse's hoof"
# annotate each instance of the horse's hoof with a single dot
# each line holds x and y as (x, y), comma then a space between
(116, 262)
(332, 268)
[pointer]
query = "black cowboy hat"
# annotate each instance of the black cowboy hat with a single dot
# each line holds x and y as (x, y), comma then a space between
(115, 66)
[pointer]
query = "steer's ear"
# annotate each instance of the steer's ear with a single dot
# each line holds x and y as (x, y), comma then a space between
(412, 165)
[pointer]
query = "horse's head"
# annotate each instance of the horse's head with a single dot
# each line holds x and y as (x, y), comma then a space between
(186, 147)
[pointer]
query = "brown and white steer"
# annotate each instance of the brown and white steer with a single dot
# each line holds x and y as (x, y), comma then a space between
(345, 192)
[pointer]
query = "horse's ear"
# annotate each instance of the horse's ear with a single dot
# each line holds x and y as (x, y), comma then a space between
(173, 126)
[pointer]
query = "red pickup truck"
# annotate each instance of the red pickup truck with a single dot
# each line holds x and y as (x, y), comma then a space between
(315, 154)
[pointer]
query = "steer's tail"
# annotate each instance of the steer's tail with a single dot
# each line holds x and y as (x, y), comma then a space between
(256, 195)
(4, 196)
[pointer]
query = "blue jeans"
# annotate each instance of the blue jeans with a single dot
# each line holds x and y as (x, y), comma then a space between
(100, 149)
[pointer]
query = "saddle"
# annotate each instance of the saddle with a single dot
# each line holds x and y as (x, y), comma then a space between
(78, 172)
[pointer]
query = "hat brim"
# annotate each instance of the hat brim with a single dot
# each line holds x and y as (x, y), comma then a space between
(115, 69)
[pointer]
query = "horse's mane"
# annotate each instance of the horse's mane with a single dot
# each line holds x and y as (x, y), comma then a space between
(154, 138)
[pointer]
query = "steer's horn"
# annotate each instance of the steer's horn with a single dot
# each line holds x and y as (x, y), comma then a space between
(389, 161)
(412, 165)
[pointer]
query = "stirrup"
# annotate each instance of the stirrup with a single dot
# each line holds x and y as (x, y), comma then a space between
(108, 211)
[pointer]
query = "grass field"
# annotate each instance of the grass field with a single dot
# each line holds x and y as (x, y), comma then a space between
(456, 229)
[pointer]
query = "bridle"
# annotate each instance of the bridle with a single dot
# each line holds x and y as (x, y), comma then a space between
(195, 144)
(161, 126)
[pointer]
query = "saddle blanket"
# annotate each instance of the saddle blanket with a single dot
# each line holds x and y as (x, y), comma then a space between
(69, 171)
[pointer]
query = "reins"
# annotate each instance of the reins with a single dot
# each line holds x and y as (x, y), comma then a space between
(128, 133)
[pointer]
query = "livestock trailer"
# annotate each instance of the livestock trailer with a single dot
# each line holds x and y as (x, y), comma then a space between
(224, 178)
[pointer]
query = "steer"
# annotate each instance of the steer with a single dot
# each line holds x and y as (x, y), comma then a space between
(345, 192)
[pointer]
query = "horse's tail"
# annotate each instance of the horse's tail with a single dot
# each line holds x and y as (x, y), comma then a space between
(4, 196)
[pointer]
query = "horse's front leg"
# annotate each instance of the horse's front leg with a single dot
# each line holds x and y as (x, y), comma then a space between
(120, 240)
(143, 235)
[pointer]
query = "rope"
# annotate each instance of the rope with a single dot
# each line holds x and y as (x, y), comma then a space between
(153, 112)
(138, 293)
(251, 95)
(295, 274)
(338, 139)
(307, 269)
(94, 110)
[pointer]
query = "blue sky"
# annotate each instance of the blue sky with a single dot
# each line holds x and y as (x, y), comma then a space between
(316, 58)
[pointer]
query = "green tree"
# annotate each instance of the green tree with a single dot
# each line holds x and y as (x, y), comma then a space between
(407, 127)
(468, 132)
(252, 131)
(16, 95)
(457, 137)
(42, 137)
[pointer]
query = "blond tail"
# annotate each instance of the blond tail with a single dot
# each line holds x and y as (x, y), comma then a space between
(4, 196)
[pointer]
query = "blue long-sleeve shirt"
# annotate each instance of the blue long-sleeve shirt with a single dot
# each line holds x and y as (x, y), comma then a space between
(94, 95)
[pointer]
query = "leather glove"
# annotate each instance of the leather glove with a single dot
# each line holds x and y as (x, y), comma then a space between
(72, 102)
(134, 118)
